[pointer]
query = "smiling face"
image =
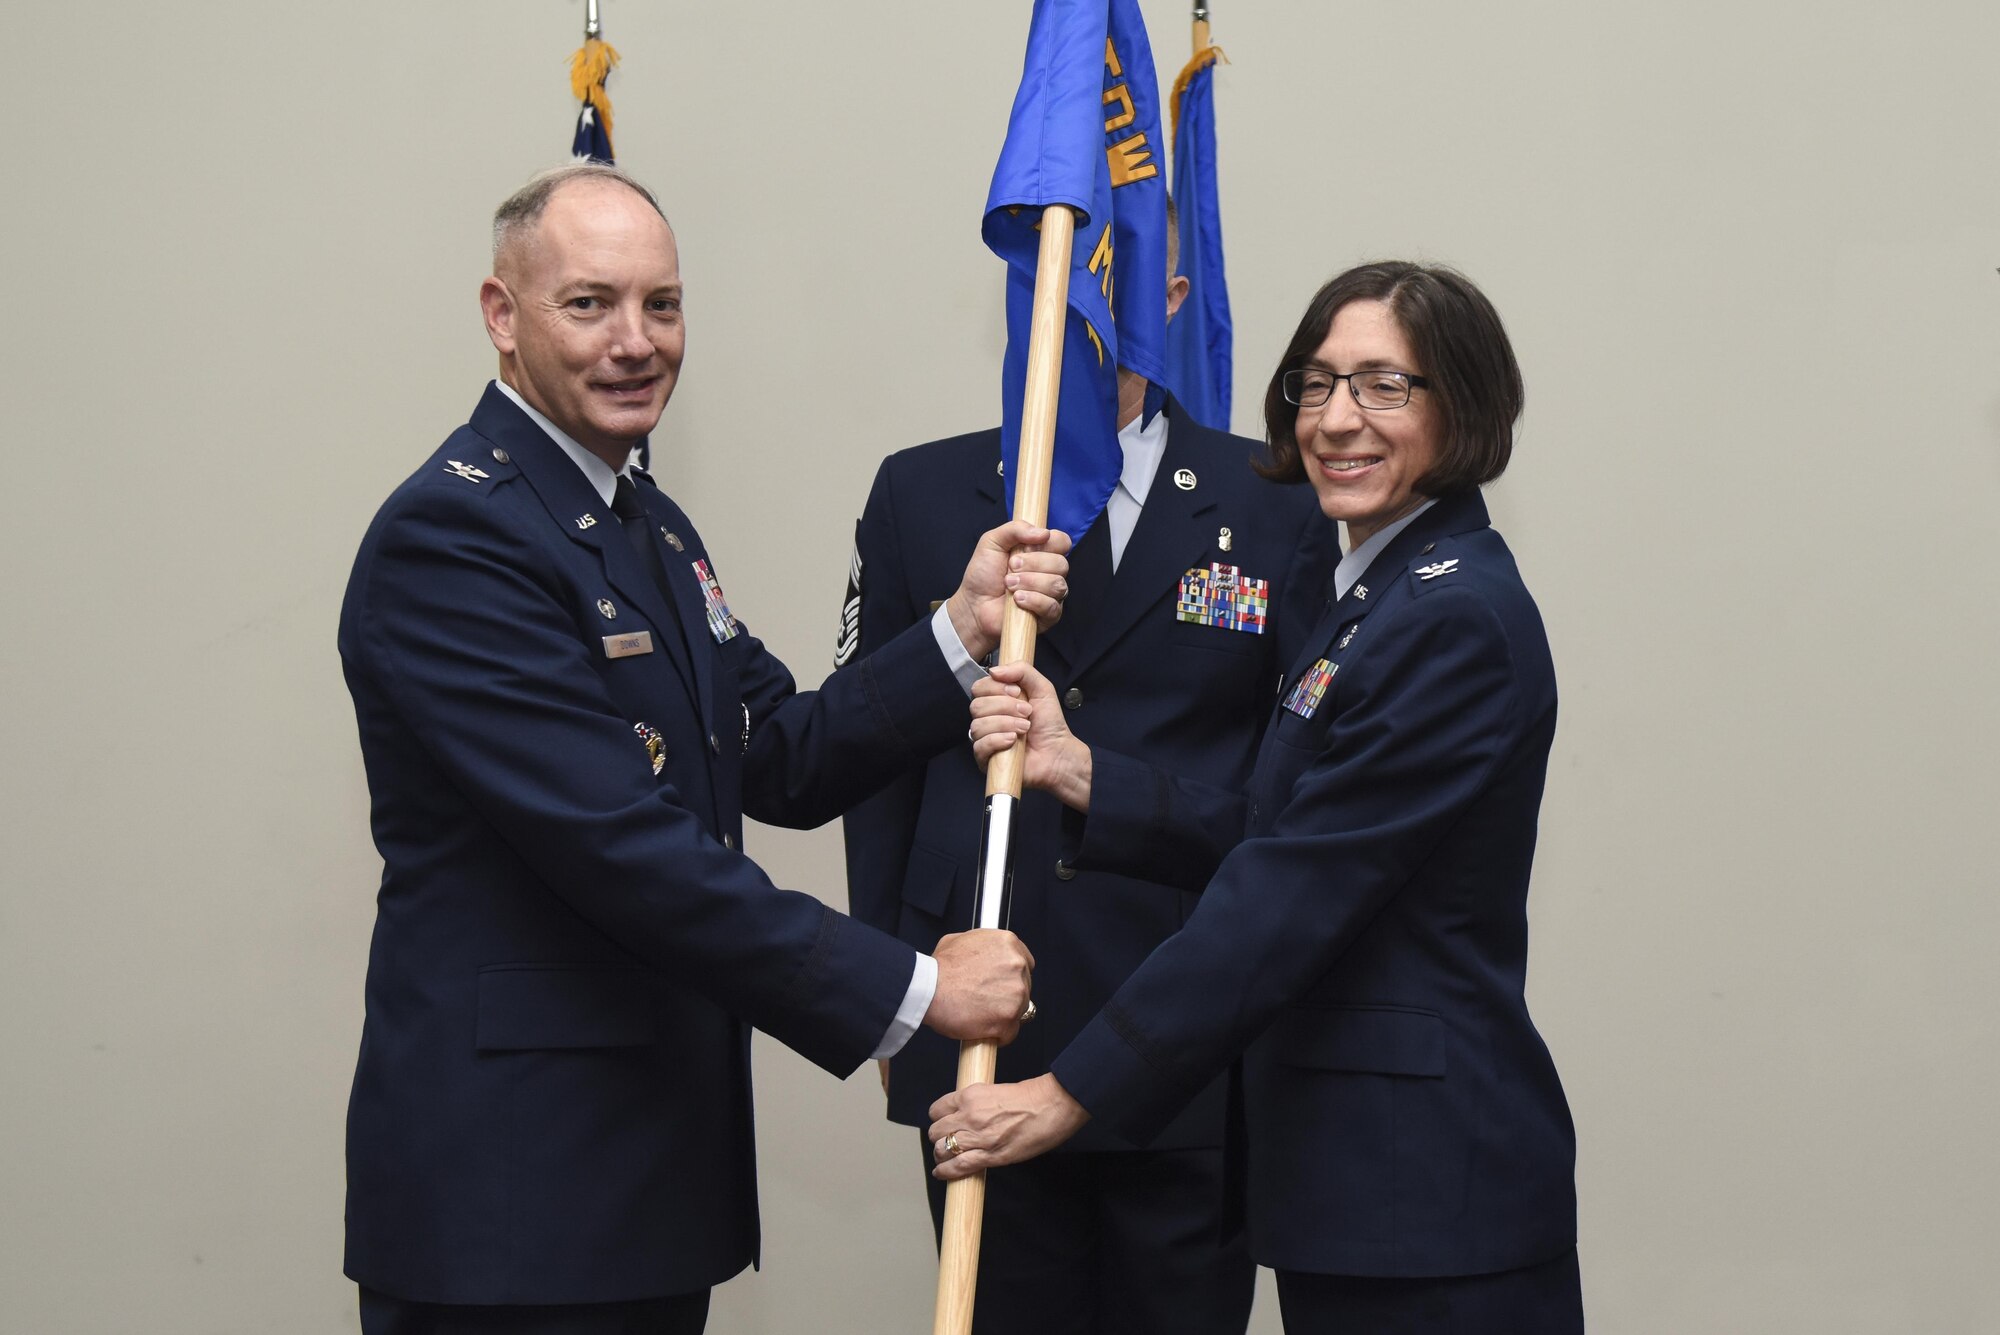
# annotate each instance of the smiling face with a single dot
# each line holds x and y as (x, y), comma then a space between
(1364, 463)
(585, 309)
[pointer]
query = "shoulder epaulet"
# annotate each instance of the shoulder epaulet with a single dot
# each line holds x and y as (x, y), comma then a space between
(472, 462)
(1435, 567)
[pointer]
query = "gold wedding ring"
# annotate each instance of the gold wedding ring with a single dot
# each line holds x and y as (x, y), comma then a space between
(948, 1147)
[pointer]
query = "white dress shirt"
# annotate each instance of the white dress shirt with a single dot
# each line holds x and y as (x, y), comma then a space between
(1355, 563)
(1143, 444)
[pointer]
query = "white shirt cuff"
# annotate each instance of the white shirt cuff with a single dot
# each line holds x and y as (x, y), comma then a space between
(956, 656)
(916, 1001)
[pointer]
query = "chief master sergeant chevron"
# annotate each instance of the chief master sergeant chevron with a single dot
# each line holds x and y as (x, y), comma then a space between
(563, 726)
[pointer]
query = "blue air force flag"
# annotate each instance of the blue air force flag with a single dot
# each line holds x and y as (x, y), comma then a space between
(1200, 341)
(1085, 131)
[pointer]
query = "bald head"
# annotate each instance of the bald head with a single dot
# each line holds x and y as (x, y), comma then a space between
(517, 220)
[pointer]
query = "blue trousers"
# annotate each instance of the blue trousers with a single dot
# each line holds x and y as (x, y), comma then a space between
(1544, 1299)
(1108, 1243)
(682, 1314)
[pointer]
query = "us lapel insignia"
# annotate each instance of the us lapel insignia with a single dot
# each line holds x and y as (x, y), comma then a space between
(721, 622)
(609, 612)
(1361, 592)
(1225, 539)
(586, 521)
(673, 538)
(656, 745)
(1311, 688)
(1184, 479)
(1223, 596)
(1435, 569)
(466, 471)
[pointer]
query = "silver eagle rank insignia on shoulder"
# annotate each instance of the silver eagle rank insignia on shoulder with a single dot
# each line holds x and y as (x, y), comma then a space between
(467, 471)
(1436, 568)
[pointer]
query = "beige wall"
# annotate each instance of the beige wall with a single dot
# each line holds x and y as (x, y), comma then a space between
(1748, 252)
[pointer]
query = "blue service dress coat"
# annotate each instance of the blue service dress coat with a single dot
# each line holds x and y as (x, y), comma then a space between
(552, 1102)
(1189, 696)
(1362, 939)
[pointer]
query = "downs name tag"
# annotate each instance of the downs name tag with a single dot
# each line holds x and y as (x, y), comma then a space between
(624, 646)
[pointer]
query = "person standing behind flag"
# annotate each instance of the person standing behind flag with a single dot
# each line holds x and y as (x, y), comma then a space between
(1187, 598)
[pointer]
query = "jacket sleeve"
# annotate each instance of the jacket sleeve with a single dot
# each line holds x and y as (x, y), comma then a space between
(1154, 825)
(1431, 718)
(461, 619)
(878, 831)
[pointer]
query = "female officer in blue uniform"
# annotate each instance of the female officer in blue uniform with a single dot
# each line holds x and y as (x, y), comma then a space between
(1403, 1149)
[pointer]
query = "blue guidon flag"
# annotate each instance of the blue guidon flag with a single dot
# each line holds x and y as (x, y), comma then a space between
(1085, 131)
(1200, 340)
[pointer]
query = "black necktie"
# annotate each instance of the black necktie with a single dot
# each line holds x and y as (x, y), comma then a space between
(638, 527)
(1090, 569)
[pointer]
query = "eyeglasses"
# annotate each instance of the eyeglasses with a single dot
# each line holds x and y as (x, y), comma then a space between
(1310, 387)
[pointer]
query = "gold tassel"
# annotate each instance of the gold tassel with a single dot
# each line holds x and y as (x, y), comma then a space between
(1203, 58)
(588, 69)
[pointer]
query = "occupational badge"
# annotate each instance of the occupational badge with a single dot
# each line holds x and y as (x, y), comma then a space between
(1223, 596)
(848, 638)
(721, 623)
(656, 745)
(1311, 688)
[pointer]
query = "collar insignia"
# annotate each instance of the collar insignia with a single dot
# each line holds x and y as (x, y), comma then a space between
(1437, 568)
(586, 521)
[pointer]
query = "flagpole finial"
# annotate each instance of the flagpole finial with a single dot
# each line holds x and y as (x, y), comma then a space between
(1200, 12)
(591, 27)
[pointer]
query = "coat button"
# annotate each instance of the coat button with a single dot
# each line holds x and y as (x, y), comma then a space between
(714, 745)
(729, 842)
(1073, 698)
(1064, 872)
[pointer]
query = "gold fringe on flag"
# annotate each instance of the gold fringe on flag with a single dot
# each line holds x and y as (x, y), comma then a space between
(588, 69)
(1203, 58)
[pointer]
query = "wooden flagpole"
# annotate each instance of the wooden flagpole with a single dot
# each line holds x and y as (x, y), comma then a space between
(965, 1199)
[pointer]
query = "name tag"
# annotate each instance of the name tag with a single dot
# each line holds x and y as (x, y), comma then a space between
(625, 646)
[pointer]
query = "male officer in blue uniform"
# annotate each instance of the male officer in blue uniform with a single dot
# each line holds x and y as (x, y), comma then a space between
(1187, 597)
(564, 726)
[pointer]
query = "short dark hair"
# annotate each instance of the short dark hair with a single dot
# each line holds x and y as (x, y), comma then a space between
(1461, 348)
